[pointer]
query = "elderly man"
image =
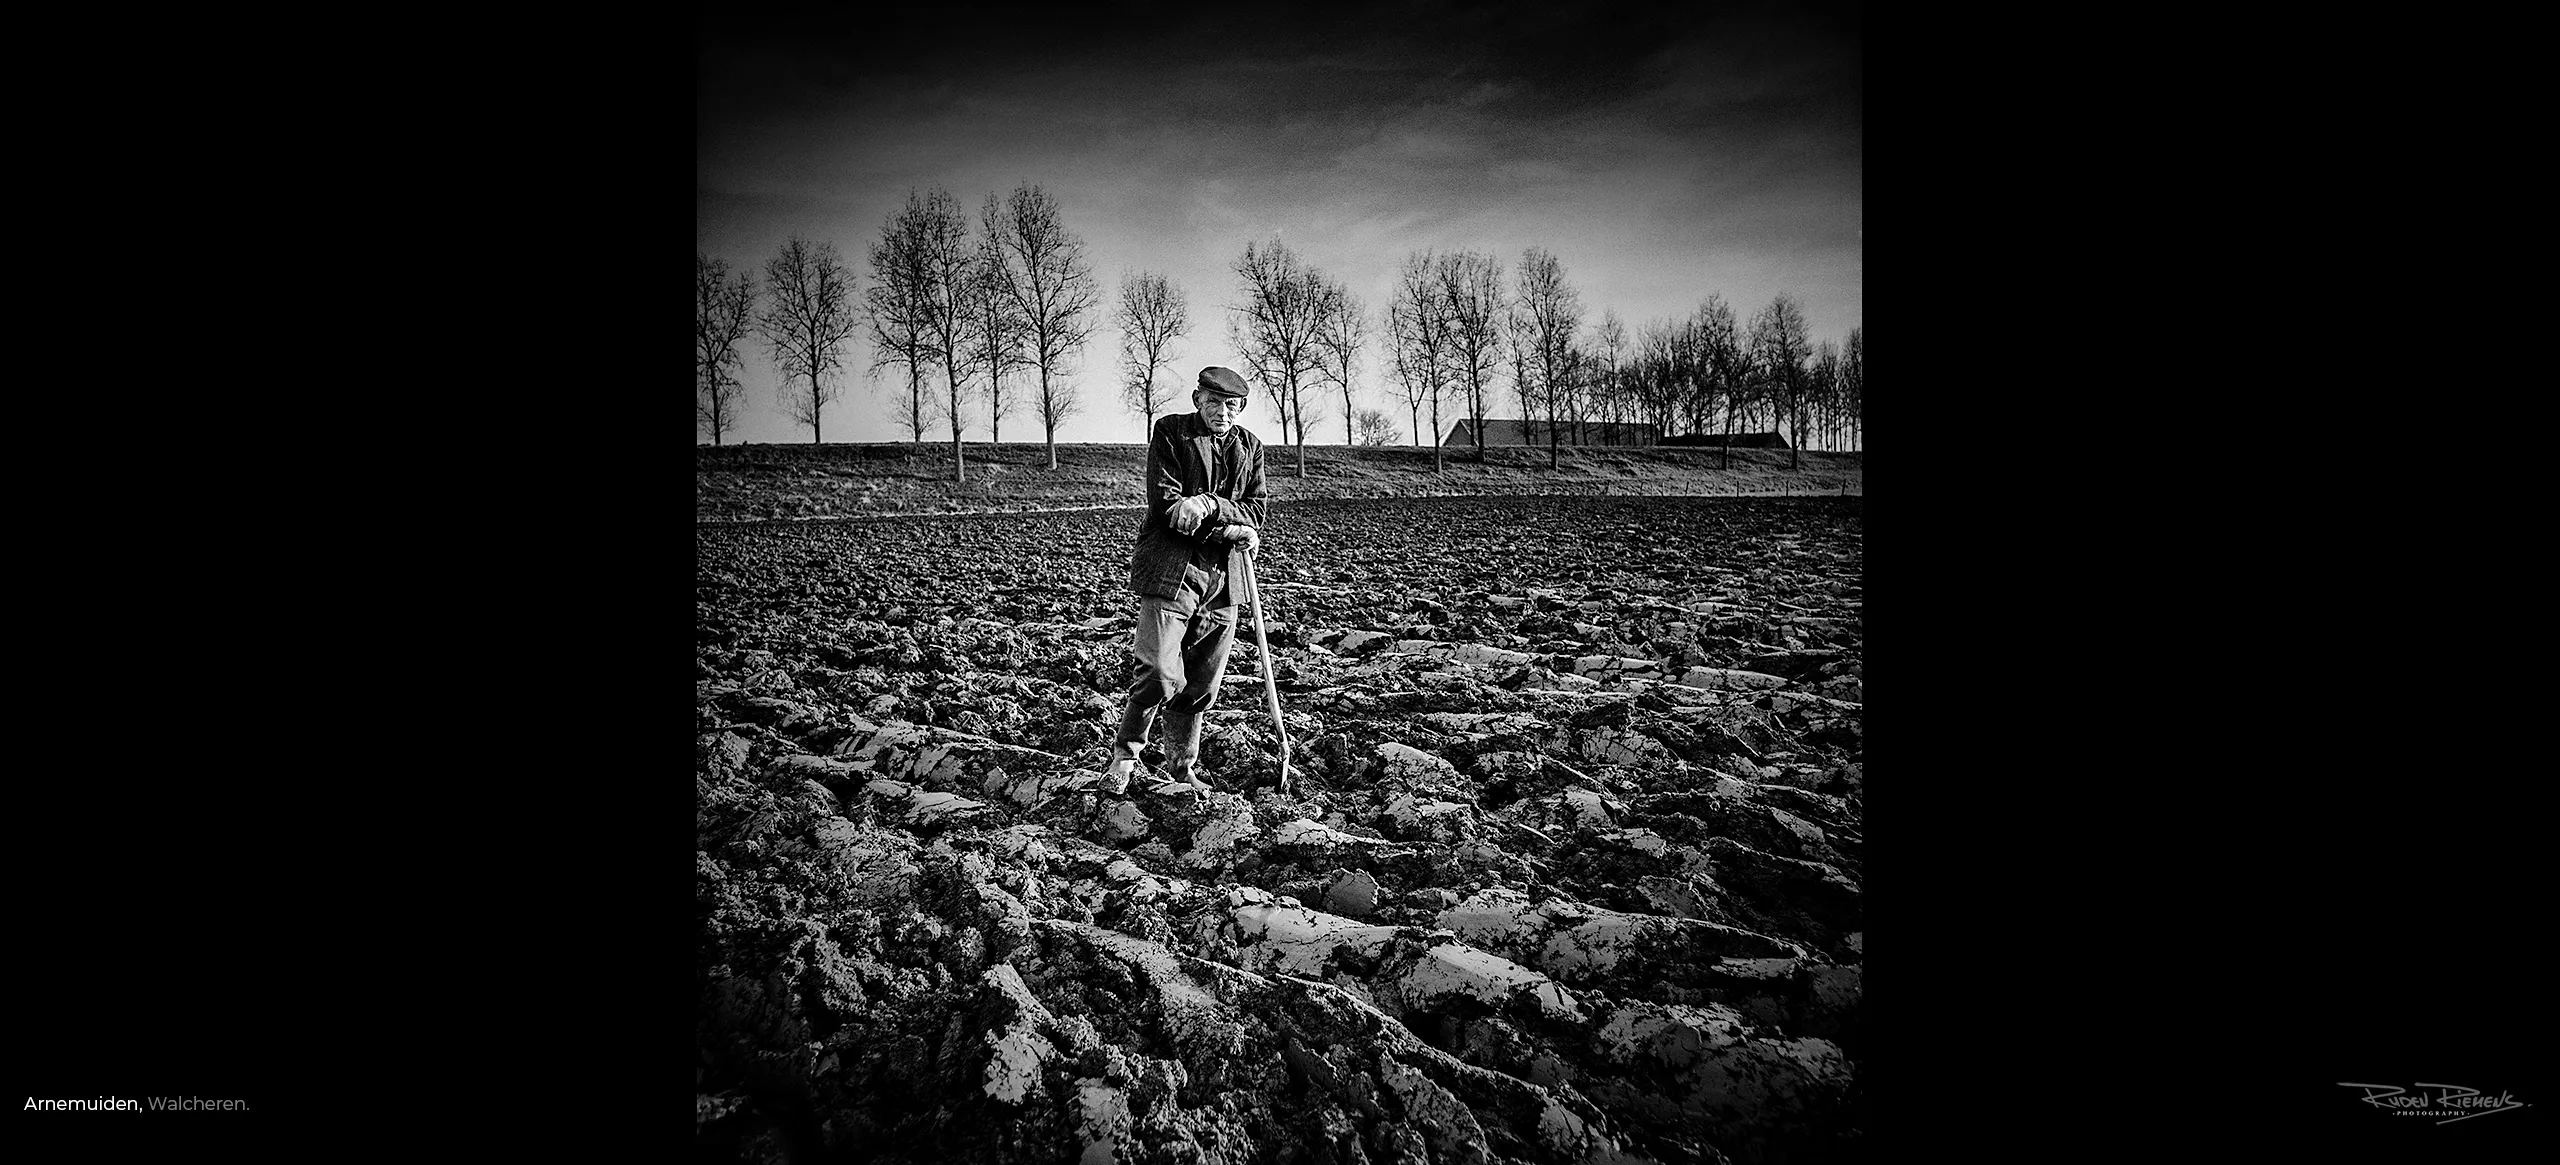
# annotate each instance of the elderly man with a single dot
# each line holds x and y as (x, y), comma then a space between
(1205, 505)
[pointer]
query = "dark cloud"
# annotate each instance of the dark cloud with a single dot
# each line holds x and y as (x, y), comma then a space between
(1665, 151)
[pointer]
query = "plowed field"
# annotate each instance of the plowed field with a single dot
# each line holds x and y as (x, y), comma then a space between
(1569, 869)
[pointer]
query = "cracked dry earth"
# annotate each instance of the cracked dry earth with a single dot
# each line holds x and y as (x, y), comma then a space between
(1570, 871)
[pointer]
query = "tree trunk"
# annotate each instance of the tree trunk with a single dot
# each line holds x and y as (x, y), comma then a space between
(959, 467)
(814, 405)
(1347, 437)
(1477, 436)
(1300, 426)
(1795, 445)
(1438, 464)
(1555, 426)
(1803, 419)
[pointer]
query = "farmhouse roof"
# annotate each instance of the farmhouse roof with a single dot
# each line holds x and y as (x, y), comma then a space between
(1512, 431)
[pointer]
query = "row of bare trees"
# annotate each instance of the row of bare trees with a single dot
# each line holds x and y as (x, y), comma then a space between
(1018, 296)
(805, 316)
(1300, 334)
(1456, 328)
(1710, 373)
(1452, 323)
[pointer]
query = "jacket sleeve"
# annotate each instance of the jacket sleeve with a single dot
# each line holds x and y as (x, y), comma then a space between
(1252, 502)
(1164, 476)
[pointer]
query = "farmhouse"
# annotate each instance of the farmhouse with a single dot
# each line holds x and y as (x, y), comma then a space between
(1740, 440)
(1499, 431)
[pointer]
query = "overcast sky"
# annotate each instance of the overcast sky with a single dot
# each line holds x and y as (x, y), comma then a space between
(1661, 152)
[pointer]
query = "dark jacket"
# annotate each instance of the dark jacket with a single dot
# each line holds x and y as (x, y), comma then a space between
(1177, 467)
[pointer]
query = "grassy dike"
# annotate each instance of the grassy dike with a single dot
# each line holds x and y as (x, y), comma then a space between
(761, 482)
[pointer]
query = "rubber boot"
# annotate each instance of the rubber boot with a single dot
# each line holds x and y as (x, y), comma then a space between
(1182, 751)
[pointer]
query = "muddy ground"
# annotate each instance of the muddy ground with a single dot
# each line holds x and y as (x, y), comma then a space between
(1570, 869)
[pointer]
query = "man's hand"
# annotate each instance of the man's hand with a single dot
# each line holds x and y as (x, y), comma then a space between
(1187, 513)
(1250, 537)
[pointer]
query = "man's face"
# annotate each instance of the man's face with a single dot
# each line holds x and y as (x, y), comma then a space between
(1219, 411)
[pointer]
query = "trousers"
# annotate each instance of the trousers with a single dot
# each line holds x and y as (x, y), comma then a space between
(1180, 656)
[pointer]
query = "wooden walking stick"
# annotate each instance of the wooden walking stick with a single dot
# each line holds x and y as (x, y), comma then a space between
(1270, 681)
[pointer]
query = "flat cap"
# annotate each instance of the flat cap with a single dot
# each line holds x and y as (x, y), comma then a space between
(1222, 381)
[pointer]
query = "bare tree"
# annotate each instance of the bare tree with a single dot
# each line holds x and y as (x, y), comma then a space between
(1405, 363)
(1055, 295)
(1853, 386)
(1340, 334)
(948, 266)
(1516, 345)
(1660, 374)
(1642, 360)
(1275, 328)
(1306, 406)
(808, 317)
(1822, 383)
(1569, 394)
(1377, 427)
(1152, 313)
(1609, 345)
(1724, 372)
(723, 311)
(999, 336)
(894, 307)
(1416, 337)
(1693, 390)
(1554, 312)
(1779, 350)
(1471, 297)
